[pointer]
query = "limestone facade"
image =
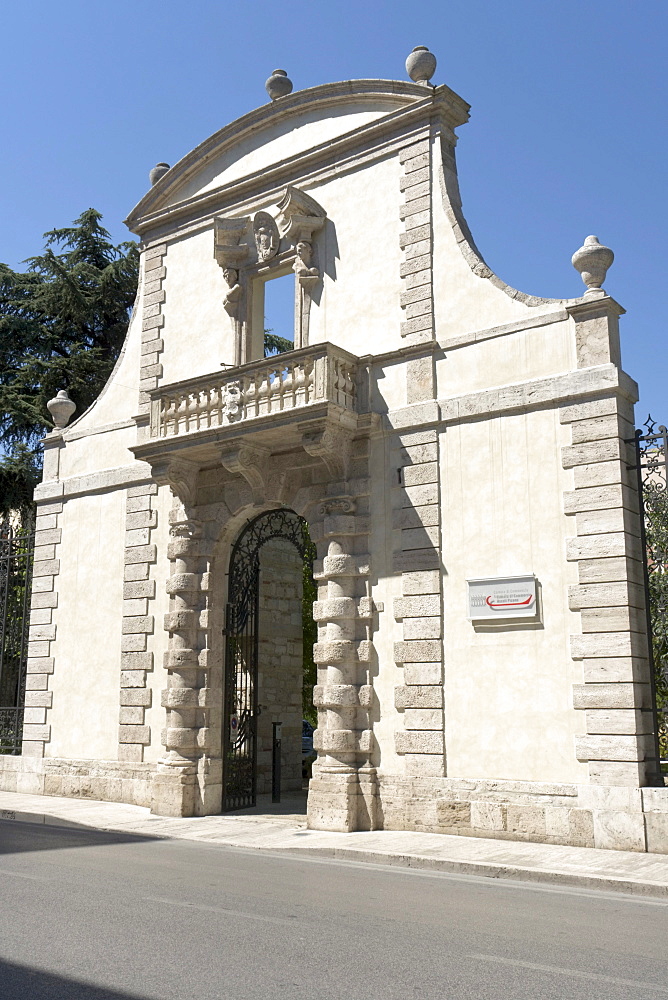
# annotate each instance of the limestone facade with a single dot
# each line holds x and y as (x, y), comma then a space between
(432, 426)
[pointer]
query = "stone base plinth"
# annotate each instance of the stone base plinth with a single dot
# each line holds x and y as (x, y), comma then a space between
(343, 801)
(103, 780)
(174, 791)
(604, 816)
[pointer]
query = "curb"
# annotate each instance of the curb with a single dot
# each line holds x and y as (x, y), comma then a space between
(416, 862)
(492, 870)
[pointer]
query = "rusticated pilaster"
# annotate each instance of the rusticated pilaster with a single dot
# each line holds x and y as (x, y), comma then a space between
(343, 791)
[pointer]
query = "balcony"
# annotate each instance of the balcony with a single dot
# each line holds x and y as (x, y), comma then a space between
(258, 398)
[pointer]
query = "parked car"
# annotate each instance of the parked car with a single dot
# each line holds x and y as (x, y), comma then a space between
(308, 753)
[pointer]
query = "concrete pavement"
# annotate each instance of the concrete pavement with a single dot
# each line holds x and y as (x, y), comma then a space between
(283, 828)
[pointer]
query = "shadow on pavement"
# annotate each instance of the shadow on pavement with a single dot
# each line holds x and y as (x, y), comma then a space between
(23, 983)
(291, 804)
(16, 837)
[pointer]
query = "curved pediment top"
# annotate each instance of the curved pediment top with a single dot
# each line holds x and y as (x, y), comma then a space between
(232, 152)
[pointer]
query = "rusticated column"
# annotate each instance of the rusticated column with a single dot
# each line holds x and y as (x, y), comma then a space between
(175, 786)
(343, 792)
(187, 781)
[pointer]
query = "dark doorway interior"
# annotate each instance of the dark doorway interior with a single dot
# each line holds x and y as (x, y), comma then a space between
(264, 657)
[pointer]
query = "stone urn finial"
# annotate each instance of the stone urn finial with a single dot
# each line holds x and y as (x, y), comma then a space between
(592, 260)
(159, 170)
(61, 408)
(278, 84)
(421, 65)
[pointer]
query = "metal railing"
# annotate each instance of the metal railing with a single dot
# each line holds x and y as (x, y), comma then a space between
(16, 558)
(294, 380)
(651, 443)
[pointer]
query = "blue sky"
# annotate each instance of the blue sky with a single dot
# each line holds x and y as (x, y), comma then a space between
(568, 131)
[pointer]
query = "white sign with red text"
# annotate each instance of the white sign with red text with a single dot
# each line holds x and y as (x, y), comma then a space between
(502, 597)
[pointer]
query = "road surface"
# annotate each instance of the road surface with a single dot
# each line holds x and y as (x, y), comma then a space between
(93, 916)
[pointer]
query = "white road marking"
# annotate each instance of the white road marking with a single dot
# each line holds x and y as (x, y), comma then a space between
(576, 973)
(33, 878)
(220, 909)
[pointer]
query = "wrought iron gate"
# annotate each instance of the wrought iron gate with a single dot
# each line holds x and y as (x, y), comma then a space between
(16, 556)
(241, 650)
(652, 470)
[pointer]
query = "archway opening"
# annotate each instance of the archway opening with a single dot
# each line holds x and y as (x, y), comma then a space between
(269, 669)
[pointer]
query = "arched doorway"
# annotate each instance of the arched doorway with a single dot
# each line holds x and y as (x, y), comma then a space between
(245, 645)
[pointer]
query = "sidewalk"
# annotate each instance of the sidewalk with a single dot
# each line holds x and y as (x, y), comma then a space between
(279, 829)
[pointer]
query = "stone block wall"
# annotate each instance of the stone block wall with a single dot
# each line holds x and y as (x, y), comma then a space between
(280, 663)
(612, 647)
(137, 623)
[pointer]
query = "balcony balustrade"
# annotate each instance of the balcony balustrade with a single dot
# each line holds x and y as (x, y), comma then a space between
(293, 381)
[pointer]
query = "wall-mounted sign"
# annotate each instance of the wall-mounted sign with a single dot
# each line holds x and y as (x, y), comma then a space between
(502, 597)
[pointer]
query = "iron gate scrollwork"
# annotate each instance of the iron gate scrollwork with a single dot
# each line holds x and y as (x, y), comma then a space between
(241, 650)
(652, 471)
(16, 557)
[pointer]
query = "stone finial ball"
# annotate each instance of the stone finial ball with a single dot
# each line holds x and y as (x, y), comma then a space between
(159, 170)
(592, 260)
(61, 408)
(278, 84)
(421, 64)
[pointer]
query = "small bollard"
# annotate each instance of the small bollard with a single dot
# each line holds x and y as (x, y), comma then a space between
(276, 763)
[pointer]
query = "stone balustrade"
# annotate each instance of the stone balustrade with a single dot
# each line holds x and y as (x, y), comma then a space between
(294, 380)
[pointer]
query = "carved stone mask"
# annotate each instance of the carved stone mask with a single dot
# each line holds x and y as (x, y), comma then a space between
(266, 236)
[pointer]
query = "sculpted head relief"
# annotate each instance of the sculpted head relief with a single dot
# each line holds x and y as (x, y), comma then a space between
(265, 232)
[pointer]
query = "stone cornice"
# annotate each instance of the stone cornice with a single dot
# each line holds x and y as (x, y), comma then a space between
(534, 394)
(94, 482)
(420, 108)
(587, 307)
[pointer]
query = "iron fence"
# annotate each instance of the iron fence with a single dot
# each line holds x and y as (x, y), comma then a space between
(651, 443)
(16, 557)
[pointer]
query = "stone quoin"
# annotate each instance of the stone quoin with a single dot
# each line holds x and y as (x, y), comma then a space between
(459, 451)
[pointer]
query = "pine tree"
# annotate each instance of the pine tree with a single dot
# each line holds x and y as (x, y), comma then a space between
(62, 325)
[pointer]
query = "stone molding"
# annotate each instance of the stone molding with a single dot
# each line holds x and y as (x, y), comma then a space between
(420, 105)
(153, 320)
(77, 434)
(531, 322)
(518, 397)
(416, 520)
(618, 744)
(331, 443)
(95, 482)
(299, 218)
(137, 624)
(44, 600)
(249, 461)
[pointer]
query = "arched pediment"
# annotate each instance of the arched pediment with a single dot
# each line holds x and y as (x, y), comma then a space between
(280, 131)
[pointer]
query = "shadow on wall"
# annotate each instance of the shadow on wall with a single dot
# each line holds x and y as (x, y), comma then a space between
(18, 837)
(24, 983)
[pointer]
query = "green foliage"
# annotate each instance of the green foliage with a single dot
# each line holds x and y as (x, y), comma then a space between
(310, 631)
(656, 529)
(17, 543)
(273, 344)
(62, 325)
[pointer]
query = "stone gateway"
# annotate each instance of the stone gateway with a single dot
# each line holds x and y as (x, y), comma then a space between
(459, 453)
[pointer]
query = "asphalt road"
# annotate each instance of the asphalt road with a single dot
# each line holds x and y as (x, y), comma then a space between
(91, 916)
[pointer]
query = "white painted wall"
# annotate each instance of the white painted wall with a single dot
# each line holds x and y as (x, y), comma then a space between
(508, 691)
(281, 140)
(86, 678)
